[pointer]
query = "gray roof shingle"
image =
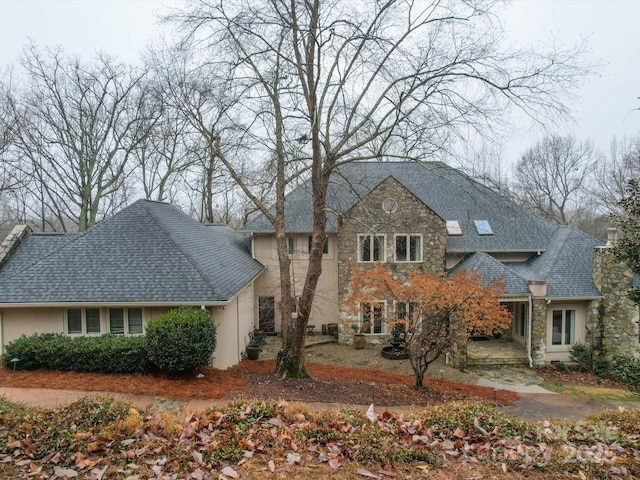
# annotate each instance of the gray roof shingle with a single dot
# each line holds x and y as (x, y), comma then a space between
(451, 194)
(148, 252)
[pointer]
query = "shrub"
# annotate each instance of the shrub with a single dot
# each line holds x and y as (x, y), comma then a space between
(561, 366)
(105, 353)
(582, 354)
(626, 369)
(182, 339)
(601, 366)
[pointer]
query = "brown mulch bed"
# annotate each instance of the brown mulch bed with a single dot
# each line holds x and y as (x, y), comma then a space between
(255, 379)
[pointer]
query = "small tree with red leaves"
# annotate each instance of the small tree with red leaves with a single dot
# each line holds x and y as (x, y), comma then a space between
(434, 313)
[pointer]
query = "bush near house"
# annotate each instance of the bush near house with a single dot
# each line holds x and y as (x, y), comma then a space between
(181, 340)
(626, 369)
(55, 351)
(622, 368)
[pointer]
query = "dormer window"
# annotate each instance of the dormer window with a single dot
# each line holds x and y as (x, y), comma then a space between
(483, 227)
(453, 228)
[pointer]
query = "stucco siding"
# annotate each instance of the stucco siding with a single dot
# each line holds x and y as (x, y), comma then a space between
(27, 321)
(325, 304)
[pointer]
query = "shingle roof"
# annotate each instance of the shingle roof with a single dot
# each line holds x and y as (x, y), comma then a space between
(491, 270)
(567, 265)
(148, 252)
(451, 194)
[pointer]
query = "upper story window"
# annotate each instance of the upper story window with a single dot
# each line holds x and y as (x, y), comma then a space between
(408, 248)
(371, 248)
(483, 227)
(325, 250)
(453, 228)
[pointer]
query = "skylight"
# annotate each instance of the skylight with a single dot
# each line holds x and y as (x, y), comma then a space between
(453, 227)
(483, 227)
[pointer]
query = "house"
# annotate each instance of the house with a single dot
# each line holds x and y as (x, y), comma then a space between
(562, 285)
(131, 267)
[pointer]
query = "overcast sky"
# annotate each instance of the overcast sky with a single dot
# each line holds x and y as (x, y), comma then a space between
(605, 106)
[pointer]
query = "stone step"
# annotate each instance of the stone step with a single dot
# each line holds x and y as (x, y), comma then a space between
(510, 361)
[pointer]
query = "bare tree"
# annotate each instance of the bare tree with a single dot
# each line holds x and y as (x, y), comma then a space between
(77, 125)
(310, 85)
(553, 177)
(622, 165)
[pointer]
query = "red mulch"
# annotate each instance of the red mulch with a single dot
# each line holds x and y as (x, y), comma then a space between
(255, 379)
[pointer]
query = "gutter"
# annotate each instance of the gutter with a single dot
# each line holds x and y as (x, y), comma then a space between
(119, 304)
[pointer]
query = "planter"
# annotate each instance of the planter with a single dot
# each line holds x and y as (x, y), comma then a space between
(359, 342)
(253, 352)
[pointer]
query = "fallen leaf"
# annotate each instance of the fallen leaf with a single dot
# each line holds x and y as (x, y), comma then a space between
(65, 472)
(229, 472)
(367, 473)
(272, 466)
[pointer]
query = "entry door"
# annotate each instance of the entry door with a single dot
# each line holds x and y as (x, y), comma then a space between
(266, 314)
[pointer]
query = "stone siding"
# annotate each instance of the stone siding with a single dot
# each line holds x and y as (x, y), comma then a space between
(539, 331)
(411, 216)
(612, 324)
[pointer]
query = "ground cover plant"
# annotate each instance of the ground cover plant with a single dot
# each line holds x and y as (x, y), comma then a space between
(105, 439)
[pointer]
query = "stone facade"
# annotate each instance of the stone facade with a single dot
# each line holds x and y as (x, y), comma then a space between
(539, 331)
(389, 209)
(612, 325)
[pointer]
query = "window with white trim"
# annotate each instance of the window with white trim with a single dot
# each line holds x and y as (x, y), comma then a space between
(408, 248)
(563, 327)
(292, 245)
(125, 321)
(371, 248)
(325, 249)
(83, 321)
(372, 317)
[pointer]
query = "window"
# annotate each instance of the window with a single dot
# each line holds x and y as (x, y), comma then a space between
(372, 317)
(483, 227)
(563, 327)
(74, 321)
(135, 320)
(371, 248)
(409, 314)
(81, 321)
(93, 320)
(116, 320)
(453, 228)
(325, 250)
(125, 321)
(408, 248)
(291, 245)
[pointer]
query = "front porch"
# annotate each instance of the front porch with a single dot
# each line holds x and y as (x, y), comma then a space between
(489, 351)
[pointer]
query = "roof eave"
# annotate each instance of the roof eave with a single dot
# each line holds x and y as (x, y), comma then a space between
(189, 303)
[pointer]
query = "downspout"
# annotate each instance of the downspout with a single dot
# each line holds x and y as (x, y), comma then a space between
(238, 350)
(530, 333)
(1, 342)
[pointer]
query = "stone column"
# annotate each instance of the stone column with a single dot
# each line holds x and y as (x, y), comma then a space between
(538, 321)
(613, 326)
